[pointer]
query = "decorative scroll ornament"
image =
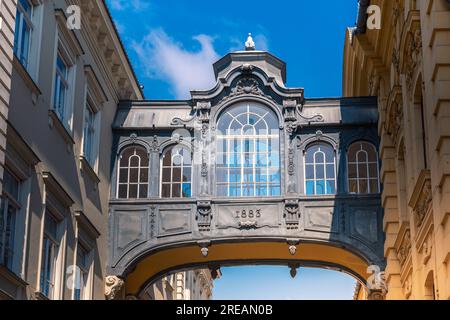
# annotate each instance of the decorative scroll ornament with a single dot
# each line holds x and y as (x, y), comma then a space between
(423, 204)
(113, 285)
(294, 118)
(246, 86)
(200, 112)
(405, 248)
(204, 215)
(377, 290)
(155, 145)
(292, 214)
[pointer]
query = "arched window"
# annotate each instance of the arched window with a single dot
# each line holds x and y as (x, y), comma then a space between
(320, 170)
(176, 179)
(133, 171)
(248, 152)
(362, 159)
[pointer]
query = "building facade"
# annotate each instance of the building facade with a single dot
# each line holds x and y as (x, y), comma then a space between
(406, 64)
(62, 84)
(248, 172)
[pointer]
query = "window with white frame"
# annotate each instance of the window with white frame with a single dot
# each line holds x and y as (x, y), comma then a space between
(10, 206)
(248, 152)
(23, 29)
(176, 179)
(320, 169)
(90, 134)
(83, 276)
(61, 87)
(50, 252)
(363, 171)
(133, 173)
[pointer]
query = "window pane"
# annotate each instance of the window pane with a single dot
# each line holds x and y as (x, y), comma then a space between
(222, 175)
(133, 191)
(362, 170)
(143, 191)
(352, 171)
(166, 175)
(134, 175)
(353, 186)
(373, 170)
(165, 191)
(320, 171)
(176, 175)
(309, 171)
(319, 157)
(374, 186)
(331, 187)
(330, 171)
(309, 187)
(320, 187)
(186, 190)
(187, 174)
(143, 177)
(176, 190)
(134, 161)
(123, 191)
(363, 186)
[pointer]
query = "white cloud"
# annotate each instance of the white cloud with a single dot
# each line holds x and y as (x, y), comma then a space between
(165, 59)
(136, 5)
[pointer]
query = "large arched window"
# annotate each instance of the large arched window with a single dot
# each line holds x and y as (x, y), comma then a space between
(133, 171)
(248, 152)
(320, 169)
(176, 178)
(362, 159)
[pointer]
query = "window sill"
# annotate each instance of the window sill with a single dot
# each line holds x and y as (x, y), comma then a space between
(26, 77)
(85, 166)
(40, 296)
(12, 277)
(54, 121)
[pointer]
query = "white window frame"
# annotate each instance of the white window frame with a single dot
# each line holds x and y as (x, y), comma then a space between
(63, 52)
(129, 167)
(23, 17)
(85, 271)
(325, 164)
(6, 200)
(93, 138)
(171, 167)
(367, 163)
(255, 138)
(58, 257)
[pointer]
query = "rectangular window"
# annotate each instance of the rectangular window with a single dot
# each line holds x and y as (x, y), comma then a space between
(89, 135)
(82, 278)
(10, 206)
(61, 89)
(50, 250)
(23, 29)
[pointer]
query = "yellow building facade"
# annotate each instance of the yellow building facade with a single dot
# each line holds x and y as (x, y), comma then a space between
(406, 64)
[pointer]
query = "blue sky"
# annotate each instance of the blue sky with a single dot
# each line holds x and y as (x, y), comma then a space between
(172, 46)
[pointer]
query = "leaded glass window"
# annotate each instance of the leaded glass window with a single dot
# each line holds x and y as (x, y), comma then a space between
(320, 170)
(248, 152)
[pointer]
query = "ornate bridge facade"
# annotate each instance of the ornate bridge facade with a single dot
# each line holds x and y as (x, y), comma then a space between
(249, 172)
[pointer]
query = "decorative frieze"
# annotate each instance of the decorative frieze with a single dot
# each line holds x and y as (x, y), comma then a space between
(404, 250)
(421, 199)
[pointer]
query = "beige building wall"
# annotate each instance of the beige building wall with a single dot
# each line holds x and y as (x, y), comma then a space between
(7, 16)
(407, 65)
(186, 285)
(46, 153)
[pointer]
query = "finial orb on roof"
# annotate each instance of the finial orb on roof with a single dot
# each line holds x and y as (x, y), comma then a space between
(250, 44)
